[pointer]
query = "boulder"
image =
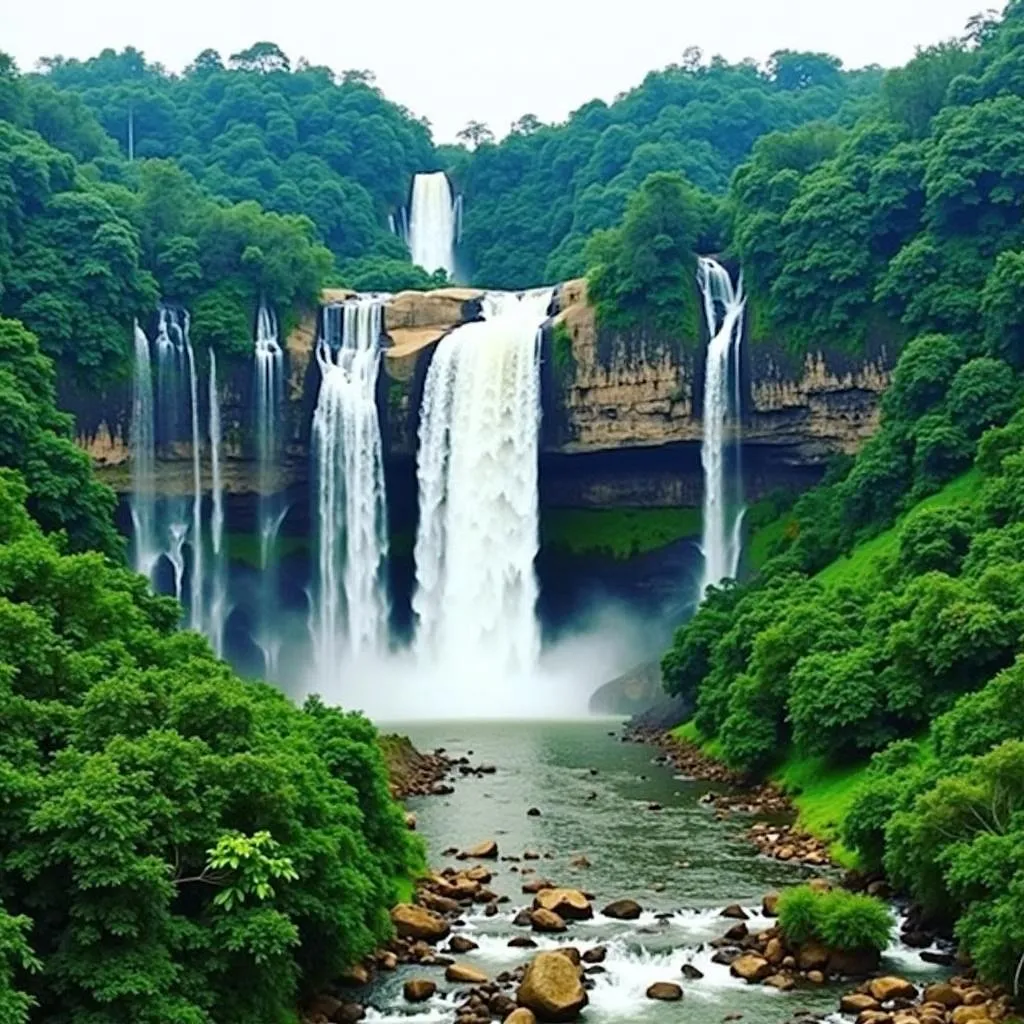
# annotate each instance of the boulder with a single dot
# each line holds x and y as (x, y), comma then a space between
(522, 942)
(691, 972)
(783, 982)
(770, 905)
(348, 1013)
(537, 885)
(543, 920)
(889, 987)
(463, 974)
(774, 951)
(665, 991)
(552, 988)
(487, 850)
(460, 944)
(943, 993)
(812, 956)
(816, 977)
(357, 974)
(596, 955)
(751, 967)
(418, 990)
(533, 812)
(572, 953)
(412, 922)
(857, 1002)
(854, 963)
(964, 1014)
(569, 904)
(737, 933)
(623, 910)
(521, 1016)
(736, 912)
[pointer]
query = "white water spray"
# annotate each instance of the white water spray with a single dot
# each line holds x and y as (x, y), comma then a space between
(433, 223)
(476, 589)
(218, 568)
(269, 359)
(196, 605)
(142, 442)
(350, 607)
(724, 306)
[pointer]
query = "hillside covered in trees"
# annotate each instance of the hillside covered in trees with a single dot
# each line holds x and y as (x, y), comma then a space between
(889, 620)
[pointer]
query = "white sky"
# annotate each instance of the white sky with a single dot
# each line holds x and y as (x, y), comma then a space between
(456, 60)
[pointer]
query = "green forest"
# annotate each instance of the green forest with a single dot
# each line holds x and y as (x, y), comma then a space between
(182, 846)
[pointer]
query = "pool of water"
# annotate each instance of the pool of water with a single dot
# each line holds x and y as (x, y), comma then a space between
(681, 863)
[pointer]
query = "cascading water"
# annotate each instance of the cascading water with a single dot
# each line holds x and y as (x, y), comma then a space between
(143, 460)
(433, 223)
(349, 618)
(218, 568)
(269, 357)
(476, 589)
(196, 605)
(173, 366)
(724, 306)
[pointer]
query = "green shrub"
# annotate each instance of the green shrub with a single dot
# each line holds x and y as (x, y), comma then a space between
(798, 914)
(852, 921)
(838, 919)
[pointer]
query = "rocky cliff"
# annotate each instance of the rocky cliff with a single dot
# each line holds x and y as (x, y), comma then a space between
(622, 415)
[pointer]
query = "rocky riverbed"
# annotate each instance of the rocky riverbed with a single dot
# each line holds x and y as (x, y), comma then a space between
(579, 875)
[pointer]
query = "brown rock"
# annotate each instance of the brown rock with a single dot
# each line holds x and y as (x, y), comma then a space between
(552, 988)
(463, 974)
(963, 1014)
(460, 944)
(854, 963)
(596, 955)
(623, 910)
(357, 974)
(884, 989)
(537, 885)
(770, 905)
(572, 953)
(665, 991)
(857, 1002)
(691, 972)
(487, 850)
(874, 1017)
(816, 977)
(543, 920)
(522, 942)
(569, 904)
(751, 967)
(737, 933)
(812, 956)
(582, 861)
(774, 951)
(418, 990)
(521, 1016)
(975, 997)
(736, 912)
(783, 982)
(412, 922)
(943, 993)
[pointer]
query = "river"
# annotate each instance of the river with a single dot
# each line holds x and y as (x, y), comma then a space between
(681, 863)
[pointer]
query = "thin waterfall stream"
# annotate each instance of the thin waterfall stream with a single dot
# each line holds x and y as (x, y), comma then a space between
(724, 306)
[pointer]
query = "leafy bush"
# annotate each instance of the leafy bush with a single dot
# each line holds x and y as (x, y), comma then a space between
(839, 919)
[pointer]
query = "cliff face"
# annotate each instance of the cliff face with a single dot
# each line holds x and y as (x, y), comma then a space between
(622, 415)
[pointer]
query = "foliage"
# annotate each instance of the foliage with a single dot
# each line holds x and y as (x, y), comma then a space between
(616, 533)
(837, 918)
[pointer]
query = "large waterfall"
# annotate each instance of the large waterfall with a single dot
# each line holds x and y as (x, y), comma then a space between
(476, 589)
(143, 460)
(724, 305)
(433, 223)
(269, 362)
(349, 617)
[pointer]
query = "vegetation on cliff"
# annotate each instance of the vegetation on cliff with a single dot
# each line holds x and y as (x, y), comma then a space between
(889, 620)
(175, 844)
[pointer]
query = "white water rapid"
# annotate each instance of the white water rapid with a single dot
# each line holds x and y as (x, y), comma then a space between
(269, 362)
(476, 589)
(724, 305)
(143, 460)
(433, 223)
(350, 608)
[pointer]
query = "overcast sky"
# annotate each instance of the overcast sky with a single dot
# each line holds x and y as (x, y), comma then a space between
(456, 60)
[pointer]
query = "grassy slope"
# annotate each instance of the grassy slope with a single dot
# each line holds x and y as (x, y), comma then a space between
(617, 532)
(849, 568)
(823, 793)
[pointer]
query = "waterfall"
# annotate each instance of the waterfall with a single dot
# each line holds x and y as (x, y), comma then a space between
(350, 609)
(196, 608)
(269, 359)
(724, 306)
(172, 365)
(476, 589)
(433, 223)
(218, 569)
(143, 459)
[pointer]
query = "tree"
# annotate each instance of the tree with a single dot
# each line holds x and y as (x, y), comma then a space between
(475, 134)
(262, 58)
(1002, 305)
(793, 70)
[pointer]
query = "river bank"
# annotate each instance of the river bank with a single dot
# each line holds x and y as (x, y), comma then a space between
(572, 805)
